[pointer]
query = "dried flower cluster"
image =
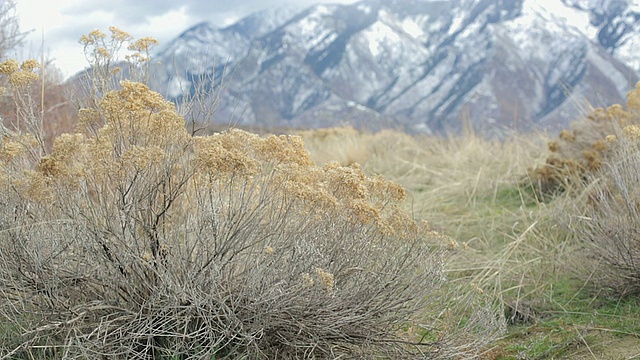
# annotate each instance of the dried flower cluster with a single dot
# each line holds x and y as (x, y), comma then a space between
(326, 279)
(141, 50)
(19, 75)
(632, 132)
(142, 134)
(140, 128)
(582, 150)
(13, 147)
(335, 188)
(103, 53)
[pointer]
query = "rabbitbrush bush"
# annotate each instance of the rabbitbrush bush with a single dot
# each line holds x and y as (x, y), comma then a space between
(600, 159)
(579, 152)
(610, 226)
(134, 239)
(139, 241)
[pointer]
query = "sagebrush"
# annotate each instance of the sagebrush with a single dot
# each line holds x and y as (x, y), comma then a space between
(580, 151)
(610, 218)
(132, 238)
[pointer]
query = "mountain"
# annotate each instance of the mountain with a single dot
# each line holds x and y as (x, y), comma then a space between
(419, 65)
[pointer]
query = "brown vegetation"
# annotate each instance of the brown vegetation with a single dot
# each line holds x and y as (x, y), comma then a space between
(581, 150)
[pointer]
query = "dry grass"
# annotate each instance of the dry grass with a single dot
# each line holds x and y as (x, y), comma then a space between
(478, 192)
(537, 254)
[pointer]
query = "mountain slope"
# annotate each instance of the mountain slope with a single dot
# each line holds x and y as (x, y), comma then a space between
(418, 65)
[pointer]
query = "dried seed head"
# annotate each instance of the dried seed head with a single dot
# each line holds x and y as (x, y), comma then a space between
(632, 132)
(307, 280)
(8, 67)
(326, 279)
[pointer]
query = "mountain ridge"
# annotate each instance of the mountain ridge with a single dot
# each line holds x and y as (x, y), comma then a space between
(423, 66)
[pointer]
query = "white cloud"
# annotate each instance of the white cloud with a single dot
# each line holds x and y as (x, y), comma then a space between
(62, 22)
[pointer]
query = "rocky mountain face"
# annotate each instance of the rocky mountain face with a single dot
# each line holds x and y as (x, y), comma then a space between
(417, 65)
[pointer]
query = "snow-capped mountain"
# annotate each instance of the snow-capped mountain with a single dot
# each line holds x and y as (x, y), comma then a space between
(421, 65)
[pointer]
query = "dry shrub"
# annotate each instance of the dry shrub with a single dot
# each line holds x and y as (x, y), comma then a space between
(610, 225)
(581, 150)
(134, 239)
(34, 105)
(21, 107)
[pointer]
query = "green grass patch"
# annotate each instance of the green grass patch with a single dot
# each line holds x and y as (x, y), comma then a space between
(570, 319)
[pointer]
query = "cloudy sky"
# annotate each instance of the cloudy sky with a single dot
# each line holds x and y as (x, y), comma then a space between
(56, 25)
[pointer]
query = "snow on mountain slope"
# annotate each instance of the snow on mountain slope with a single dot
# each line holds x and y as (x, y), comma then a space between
(626, 28)
(616, 24)
(420, 65)
(557, 13)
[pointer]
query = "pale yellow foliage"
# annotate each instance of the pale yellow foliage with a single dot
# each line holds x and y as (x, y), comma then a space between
(30, 65)
(34, 186)
(22, 78)
(65, 158)
(119, 35)
(143, 44)
(632, 132)
(226, 154)
(140, 129)
(138, 158)
(326, 279)
(307, 280)
(16, 146)
(8, 67)
(284, 149)
(97, 34)
(136, 115)
(19, 75)
(134, 134)
(633, 99)
(102, 51)
(88, 118)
